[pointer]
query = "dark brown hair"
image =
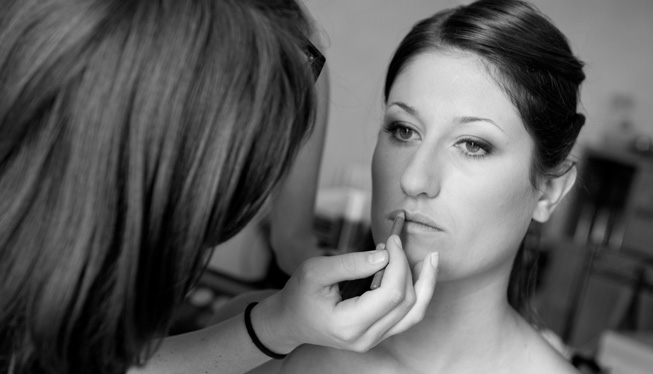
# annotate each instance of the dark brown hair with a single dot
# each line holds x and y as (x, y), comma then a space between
(134, 135)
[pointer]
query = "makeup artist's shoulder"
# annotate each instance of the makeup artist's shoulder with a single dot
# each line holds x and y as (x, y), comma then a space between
(321, 360)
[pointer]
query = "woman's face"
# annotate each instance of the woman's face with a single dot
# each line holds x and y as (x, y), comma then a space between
(454, 154)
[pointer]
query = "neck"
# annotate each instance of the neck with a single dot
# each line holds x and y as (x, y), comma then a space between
(463, 320)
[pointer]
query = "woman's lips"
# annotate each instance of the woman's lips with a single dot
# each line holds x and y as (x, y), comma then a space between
(418, 226)
(418, 221)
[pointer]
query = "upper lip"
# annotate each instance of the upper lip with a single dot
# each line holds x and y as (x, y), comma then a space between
(418, 218)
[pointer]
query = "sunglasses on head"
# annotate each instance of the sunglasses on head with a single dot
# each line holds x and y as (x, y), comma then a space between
(315, 58)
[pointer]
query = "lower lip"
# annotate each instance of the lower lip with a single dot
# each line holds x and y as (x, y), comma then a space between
(411, 226)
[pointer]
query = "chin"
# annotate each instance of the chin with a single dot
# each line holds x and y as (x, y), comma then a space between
(417, 246)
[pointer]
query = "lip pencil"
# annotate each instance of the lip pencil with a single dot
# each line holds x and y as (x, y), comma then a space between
(396, 230)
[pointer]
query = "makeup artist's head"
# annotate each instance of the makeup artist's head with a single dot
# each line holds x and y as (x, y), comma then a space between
(134, 135)
(480, 118)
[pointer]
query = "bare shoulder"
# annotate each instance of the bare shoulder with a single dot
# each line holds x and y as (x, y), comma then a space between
(540, 357)
(553, 364)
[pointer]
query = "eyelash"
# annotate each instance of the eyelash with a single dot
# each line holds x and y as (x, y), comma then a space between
(392, 128)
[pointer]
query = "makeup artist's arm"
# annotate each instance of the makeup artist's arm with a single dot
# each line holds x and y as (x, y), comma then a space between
(291, 219)
(307, 310)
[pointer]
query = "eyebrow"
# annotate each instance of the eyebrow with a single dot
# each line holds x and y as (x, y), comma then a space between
(459, 120)
(407, 108)
(464, 120)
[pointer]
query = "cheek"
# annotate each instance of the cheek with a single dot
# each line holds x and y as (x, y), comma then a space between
(518, 199)
(490, 223)
(505, 212)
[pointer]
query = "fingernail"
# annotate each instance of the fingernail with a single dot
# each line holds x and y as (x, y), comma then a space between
(378, 256)
(396, 240)
(435, 260)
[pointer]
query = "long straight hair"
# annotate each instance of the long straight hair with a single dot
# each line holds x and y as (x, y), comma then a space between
(134, 135)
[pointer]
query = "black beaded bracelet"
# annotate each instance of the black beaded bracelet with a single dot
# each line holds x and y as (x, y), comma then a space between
(252, 334)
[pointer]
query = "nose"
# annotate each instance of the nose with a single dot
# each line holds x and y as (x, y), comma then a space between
(423, 174)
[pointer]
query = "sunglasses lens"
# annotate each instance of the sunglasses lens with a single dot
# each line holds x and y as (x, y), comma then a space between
(315, 58)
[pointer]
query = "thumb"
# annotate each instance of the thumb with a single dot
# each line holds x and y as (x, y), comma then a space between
(349, 266)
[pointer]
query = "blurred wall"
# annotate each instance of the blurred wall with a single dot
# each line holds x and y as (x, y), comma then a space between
(614, 38)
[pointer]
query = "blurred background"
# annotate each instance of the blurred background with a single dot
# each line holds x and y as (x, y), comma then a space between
(595, 289)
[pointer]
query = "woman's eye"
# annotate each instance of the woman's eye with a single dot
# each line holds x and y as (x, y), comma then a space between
(401, 133)
(474, 148)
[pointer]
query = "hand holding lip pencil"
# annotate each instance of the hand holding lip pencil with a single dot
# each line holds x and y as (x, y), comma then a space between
(396, 230)
(369, 318)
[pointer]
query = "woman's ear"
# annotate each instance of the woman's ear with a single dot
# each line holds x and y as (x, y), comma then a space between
(552, 191)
